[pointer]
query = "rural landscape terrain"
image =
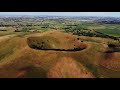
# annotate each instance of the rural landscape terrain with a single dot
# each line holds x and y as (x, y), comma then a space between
(59, 47)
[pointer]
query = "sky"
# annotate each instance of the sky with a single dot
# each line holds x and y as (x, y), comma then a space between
(104, 14)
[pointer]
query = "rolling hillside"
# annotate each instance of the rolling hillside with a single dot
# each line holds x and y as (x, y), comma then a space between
(19, 60)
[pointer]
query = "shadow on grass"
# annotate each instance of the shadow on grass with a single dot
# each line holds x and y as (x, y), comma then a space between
(74, 50)
(34, 72)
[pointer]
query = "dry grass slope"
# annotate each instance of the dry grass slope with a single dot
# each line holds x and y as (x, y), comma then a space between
(68, 68)
(18, 60)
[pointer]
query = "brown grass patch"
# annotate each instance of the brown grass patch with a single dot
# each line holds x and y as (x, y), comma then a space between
(68, 68)
(81, 45)
(20, 74)
(111, 61)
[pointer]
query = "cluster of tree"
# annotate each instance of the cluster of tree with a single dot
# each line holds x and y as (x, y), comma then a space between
(26, 29)
(71, 25)
(110, 22)
(83, 31)
(76, 29)
(17, 25)
(45, 26)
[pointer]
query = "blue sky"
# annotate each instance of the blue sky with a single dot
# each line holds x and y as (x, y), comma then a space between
(111, 14)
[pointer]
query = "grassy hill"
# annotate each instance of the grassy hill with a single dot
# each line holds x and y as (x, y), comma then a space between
(18, 59)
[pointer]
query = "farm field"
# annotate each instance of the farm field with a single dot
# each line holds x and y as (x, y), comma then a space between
(112, 32)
